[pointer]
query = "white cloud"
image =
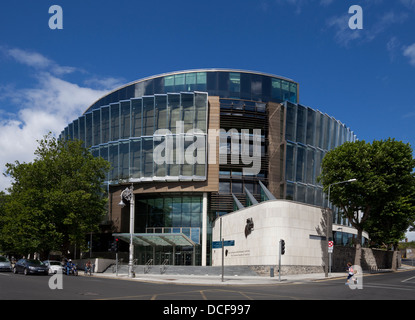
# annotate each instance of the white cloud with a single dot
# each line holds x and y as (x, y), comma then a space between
(47, 107)
(410, 53)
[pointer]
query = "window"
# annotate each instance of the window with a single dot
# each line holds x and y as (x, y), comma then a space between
(135, 158)
(125, 119)
(276, 90)
(124, 160)
(148, 116)
(115, 122)
(224, 187)
(160, 112)
(113, 158)
(234, 84)
(174, 113)
(96, 127)
(188, 111)
(105, 124)
(136, 111)
(147, 159)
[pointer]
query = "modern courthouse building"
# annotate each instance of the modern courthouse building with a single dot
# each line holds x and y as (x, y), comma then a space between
(197, 145)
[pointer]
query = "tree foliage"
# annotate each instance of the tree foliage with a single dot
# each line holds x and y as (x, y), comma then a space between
(54, 200)
(381, 200)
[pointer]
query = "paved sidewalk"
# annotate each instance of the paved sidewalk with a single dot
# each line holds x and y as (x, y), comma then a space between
(227, 280)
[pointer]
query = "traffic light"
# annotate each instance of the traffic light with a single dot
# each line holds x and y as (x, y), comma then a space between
(116, 245)
(282, 246)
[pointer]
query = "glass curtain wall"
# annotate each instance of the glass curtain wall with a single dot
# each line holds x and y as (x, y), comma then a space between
(310, 134)
(124, 134)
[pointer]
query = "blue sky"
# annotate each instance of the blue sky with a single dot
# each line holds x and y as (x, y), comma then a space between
(364, 78)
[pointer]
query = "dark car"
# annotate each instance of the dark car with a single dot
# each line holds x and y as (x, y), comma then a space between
(28, 266)
(5, 264)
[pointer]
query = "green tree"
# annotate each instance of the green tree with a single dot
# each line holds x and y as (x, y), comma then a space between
(385, 183)
(55, 200)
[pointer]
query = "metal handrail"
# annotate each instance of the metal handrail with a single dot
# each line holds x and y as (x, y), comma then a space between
(163, 266)
(147, 266)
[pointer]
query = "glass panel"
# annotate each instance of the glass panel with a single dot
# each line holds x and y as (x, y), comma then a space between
(174, 111)
(301, 124)
(160, 168)
(285, 90)
(290, 191)
(186, 211)
(310, 127)
(136, 112)
(187, 169)
(201, 81)
(188, 111)
(173, 168)
(169, 84)
(310, 166)
(124, 160)
(290, 123)
(276, 90)
(147, 147)
(125, 119)
(70, 131)
(256, 87)
(179, 82)
(148, 116)
(289, 169)
(301, 189)
(318, 116)
(310, 195)
(190, 81)
(224, 187)
(105, 124)
(113, 159)
(160, 112)
(135, 158)
(293, 92)
(234, 84)
(176, 213)
(115, 122)
(201, 102)
(300, 163)
(237, 187)
(76, 129)
(82, 130)
(97, 127)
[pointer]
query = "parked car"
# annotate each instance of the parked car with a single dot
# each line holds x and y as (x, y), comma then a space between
(53, 265)
(28, 266)
(5, 264)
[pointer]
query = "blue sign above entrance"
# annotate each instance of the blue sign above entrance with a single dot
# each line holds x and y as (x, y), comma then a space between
(226, 243)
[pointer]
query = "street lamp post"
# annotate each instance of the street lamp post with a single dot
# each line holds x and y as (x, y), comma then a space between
(128, 195)
(329, 222)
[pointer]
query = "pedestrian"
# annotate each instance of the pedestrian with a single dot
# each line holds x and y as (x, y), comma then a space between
(350, 272)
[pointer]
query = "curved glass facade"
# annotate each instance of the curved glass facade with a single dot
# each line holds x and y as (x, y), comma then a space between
(223, 83)
(129, 125)
(309, 134)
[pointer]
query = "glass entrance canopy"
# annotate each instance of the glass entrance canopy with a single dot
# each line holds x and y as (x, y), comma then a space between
(157, 239)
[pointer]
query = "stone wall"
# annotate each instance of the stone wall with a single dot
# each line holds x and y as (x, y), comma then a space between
(372, 259)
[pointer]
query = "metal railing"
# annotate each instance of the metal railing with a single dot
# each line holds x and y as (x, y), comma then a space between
(147, 266)
(163, 266)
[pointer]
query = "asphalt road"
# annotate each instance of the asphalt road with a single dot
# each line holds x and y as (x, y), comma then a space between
(397, 285)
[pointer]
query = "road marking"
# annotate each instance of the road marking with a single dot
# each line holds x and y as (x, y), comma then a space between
(5, 274)
(408, 279)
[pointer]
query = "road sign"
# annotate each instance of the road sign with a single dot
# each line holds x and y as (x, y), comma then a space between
(218, 244)
(330, 247)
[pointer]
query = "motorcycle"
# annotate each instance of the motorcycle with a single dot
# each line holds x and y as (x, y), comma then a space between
(73, 270)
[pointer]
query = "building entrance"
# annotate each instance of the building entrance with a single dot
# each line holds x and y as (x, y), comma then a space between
(163, 248)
